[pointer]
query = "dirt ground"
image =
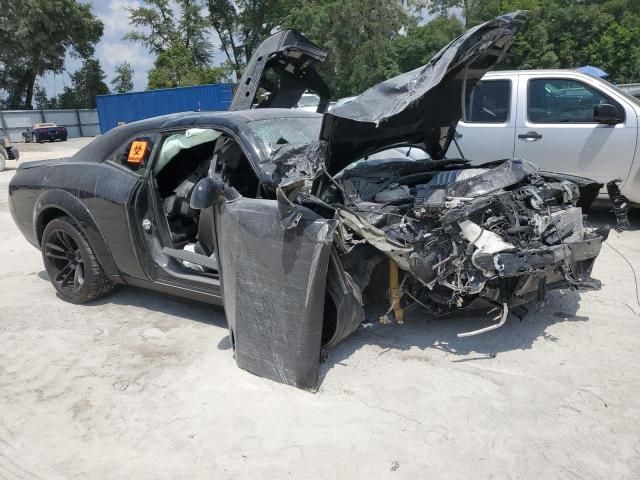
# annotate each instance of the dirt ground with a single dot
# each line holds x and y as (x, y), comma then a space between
(144, 386)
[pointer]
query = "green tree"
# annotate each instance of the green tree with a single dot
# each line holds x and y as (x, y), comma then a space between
(123, 81)
(86, 83)
(174, 68)
(242, 24)
(565, 33)
(68, 99)
(423, 41)
(178, 38)
(40, 98)
(36, 36)
(359, 37)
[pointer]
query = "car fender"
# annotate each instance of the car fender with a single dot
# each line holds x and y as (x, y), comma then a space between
(64, 201)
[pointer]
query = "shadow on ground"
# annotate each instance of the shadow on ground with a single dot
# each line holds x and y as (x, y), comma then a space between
(419, 330)
(422, 332)
(158, 302)
(601, 215)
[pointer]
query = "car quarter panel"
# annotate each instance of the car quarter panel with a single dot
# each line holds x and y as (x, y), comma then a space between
(95, 195)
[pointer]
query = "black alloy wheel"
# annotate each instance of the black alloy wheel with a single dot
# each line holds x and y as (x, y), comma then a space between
(71, 264)
(65, 262)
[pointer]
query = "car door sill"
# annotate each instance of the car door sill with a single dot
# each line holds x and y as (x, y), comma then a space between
(191, 257)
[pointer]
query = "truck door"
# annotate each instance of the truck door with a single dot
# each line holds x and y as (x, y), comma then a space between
(556, 128)
(488, 128)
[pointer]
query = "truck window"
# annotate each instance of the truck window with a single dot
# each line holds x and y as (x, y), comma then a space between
(556, 100)
(489, 102)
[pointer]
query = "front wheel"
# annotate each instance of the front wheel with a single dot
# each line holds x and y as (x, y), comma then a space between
(71, 263)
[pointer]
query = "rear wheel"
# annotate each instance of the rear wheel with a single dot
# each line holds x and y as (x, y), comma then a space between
(71, 264)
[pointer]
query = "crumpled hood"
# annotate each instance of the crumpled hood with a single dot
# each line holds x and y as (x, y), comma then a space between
(418, 106)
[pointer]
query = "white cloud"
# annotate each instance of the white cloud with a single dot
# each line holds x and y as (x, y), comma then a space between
(111, 54)
(115, 17)
(113, 50)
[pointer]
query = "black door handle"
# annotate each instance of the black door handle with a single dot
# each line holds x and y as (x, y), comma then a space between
(530, 135)
(457, 135)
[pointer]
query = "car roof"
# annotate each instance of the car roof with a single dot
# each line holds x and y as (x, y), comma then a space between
(235, 118)
(105, 144)
(550, 71)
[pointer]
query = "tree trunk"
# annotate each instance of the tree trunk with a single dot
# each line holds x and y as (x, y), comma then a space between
(31, 81)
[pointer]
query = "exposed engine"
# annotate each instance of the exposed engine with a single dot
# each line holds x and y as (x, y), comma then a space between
(502, 234)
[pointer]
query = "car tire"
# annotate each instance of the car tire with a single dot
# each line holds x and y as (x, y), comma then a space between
(71, 263)
(35, 138)
(3, 158)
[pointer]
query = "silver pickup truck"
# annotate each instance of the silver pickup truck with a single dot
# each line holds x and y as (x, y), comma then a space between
(562, 120)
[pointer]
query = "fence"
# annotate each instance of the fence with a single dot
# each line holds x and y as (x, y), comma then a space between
(79, 123)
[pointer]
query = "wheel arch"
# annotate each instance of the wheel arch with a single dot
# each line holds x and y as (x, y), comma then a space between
(57, 203)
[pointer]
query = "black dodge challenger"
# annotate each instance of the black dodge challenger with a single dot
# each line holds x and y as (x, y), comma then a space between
(297, 222)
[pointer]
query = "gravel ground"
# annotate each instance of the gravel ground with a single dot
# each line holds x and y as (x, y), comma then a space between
(141, 385)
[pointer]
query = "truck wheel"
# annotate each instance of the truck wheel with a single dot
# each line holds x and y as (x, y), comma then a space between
(71, 264)
(3, 158)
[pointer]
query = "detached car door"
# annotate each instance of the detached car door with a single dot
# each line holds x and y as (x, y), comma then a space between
(556, 128)
(488, 127)
(273, 285)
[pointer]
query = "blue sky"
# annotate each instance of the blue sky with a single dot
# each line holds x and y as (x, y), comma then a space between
(112, 50)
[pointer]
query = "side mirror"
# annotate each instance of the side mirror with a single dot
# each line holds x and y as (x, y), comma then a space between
(205, 193)
(606, 113)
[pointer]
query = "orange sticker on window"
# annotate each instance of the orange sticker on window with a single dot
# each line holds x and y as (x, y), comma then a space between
(138, 152)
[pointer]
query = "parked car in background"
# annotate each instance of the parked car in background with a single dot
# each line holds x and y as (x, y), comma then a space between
(308, 102)
(561, 120)
(42, 132)
(7, 150)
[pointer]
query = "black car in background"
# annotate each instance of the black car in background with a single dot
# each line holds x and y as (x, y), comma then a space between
(7, 150)
(45, 132)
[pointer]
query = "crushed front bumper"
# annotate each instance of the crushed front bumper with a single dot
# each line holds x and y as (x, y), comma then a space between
(575, 259)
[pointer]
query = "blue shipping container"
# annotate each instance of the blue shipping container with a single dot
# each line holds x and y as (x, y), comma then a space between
(129, 107)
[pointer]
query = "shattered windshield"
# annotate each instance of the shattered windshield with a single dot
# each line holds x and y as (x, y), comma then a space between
(272, 132)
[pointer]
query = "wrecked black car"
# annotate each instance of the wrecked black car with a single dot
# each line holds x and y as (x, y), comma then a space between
(298, 222)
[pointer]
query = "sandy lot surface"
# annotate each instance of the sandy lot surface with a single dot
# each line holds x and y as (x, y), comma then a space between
(144, 386)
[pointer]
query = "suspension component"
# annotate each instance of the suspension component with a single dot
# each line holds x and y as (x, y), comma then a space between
(395, 293)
